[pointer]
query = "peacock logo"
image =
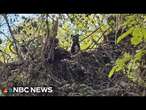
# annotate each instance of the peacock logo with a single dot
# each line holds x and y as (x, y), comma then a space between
(6, 88)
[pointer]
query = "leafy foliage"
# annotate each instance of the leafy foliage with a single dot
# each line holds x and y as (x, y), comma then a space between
(124, 35)
(136, 28)
(120, 64)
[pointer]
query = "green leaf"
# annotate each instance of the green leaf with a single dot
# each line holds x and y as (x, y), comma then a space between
(137, 36)
(144, 33)
(112, 72)
(126, 57)
(139, 55)
(136, 40)
(124, 35)
(120, 64)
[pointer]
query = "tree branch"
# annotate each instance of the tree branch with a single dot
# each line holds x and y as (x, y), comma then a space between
(12, 35)
(91, 33)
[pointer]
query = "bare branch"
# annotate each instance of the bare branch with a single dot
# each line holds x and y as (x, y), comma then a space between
(91, 33)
